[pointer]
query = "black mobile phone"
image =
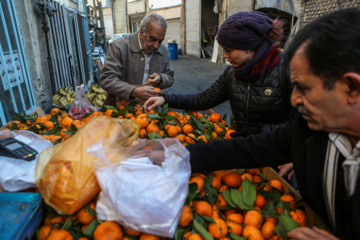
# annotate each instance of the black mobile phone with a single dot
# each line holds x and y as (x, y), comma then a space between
(11, 147)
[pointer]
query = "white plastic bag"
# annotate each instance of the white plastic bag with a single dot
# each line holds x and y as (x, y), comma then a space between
(146, 191)
(81, 105)
(17, 174)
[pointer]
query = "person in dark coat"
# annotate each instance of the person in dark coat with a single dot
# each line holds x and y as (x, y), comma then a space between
(251, 83)
(322, 138)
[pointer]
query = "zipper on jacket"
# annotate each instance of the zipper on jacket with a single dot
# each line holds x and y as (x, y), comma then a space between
(247, 104)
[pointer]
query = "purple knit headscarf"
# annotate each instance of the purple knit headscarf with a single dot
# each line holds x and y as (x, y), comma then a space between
(246, 31)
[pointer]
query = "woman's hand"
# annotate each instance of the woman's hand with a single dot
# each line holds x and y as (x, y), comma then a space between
(305, 233)
(153, 102)
(286, 169)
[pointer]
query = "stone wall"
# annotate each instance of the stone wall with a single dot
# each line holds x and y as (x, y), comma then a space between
(312, 9)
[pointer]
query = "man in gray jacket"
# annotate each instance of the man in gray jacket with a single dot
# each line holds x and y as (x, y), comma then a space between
(135, 60)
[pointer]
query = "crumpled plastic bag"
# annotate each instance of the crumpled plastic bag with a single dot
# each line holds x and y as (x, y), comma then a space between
(81, 105)
(17, 174)
(145, 191)
(65, 174)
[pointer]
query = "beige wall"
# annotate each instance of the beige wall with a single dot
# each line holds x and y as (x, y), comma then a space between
(119, 17)
(168, 13)
(108, 22)
(234, 6)
(136, 7)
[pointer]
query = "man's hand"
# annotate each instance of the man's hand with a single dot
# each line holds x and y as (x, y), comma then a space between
(286, 169)
(144, 93)
(153, 102)
(154, 79)
(305, 233)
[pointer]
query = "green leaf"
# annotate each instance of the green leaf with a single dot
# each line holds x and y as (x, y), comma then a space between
(248, 193)
(208, 135)
(210, 190)
(167, 117)
(34, 129)
(269, 210)
(154, 135)
(209, 219)
(89, 231)
(67, 223)
(164, 109)
(201, 230)
(179, 234)
(288, 224)
(58, 141)
(228, 198)
(110, 107)
(55, 117)
(224, 117)
(115, 113)
(131, 105)
(73, 128)
(153, 116)
(122, 112)
(281, 231)
(236, 237)
(192, 193)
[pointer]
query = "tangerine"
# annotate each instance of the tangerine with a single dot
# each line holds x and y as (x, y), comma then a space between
(108, 230)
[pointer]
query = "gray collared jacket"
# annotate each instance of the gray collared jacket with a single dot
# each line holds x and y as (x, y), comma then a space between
(124, 68)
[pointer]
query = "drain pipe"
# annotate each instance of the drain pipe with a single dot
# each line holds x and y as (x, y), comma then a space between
(48, 9)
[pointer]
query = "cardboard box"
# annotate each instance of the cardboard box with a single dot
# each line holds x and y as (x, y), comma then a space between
(312, 217)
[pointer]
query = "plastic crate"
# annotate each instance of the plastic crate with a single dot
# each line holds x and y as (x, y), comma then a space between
(21, 214)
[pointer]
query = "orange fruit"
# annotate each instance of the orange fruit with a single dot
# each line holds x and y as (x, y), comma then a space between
(218, 228)
(230, 211)
(270, 219)
(194, 236)
(268, 230)
(52, 220)
(202, 137)
(199, 180)
(44, 232)
(181, 137)
(217, 128)
(203, 208)
(289, 199)
(109, 112)
(215, 117)
(299, 216)
(187, 128)
(157, 89)
(49, 125)
(54, 111)
(132, 232)
(108, 230)
(234, 227)
(216, 182)
(260, 201)
(60, 235)
(42, 119)
(172, 131)
(84, 216)
(188, 138)
(235, 217)
(146, 236)
(66, 122)
(276, 184)
(220, 201)
(142, 120)
(223, 187)
(152, 127)
(248, 176)
(253, 233)
(228, 132)
(232, 178)
(143, 133)
(253, 218)
(186, 217)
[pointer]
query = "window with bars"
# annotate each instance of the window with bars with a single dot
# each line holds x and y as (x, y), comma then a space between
(16, 93)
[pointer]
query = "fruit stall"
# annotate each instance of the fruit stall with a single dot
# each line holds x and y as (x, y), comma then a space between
(228, 204)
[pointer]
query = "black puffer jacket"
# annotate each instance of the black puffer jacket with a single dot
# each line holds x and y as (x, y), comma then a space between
(258, 105)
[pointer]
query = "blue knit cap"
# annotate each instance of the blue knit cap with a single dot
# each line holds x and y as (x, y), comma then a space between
(244, 30)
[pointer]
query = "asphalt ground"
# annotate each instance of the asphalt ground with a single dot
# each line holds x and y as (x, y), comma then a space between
(193, 75)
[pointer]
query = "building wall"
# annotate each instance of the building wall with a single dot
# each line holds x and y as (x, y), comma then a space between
(136, 7)
(311, 10)
(119, 17)
(234, 6)
(192, 31)
(30, 21)
(108, 22)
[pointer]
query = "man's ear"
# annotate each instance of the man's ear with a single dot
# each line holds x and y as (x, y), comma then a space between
(352, 80)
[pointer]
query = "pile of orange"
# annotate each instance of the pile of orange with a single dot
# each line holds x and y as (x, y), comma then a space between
(233, 204)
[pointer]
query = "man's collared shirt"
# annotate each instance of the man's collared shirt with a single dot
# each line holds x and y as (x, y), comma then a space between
(147, 59)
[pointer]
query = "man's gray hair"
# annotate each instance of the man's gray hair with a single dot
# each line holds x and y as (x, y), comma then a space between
(152, 17)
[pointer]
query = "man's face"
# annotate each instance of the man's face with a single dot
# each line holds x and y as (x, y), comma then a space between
(152, 39)
(322, 108)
